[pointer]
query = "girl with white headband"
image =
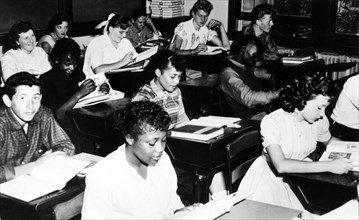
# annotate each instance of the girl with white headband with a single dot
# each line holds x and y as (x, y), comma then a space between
(111, 50)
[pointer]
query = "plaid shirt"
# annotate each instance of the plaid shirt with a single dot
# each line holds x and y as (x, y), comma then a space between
(171, 102)
(17, 148)
(270, 48)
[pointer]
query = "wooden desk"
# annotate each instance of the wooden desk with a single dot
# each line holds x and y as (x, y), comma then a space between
(205, 158)
(201, 96)
(42, 208)
(96, 122)
(323, 192)
(249, 209)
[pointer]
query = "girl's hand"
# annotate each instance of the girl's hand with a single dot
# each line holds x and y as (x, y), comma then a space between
(340, 166)
(87, 87)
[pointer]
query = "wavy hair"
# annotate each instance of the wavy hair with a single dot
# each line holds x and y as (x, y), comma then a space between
(296, 94)
(204, 5)
(19, 79)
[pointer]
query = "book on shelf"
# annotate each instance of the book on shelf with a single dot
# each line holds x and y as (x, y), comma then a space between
(342, 149)
(205, 128)
(50, 176)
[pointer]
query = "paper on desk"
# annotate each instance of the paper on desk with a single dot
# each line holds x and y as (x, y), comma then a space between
(216, 121)
(214, 208)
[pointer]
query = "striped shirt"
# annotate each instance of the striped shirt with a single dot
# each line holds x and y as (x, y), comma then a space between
(171, 102)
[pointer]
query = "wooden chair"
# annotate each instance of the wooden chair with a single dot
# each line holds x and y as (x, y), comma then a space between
(240, 154)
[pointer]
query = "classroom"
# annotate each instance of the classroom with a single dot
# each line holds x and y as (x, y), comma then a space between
(179, 109)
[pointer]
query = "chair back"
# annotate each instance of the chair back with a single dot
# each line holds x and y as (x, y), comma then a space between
(240, 154)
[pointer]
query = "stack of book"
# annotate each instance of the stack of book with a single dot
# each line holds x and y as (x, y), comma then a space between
(156, 10)
(167, 8)
(296, 59)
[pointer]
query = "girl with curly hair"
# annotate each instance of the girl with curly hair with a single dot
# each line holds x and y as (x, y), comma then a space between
(289, 135)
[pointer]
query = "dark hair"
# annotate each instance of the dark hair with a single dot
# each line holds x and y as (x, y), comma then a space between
(204, 5)
(19, 79)
(138, 115)
(244, 40)
(118, 21)
(57, 19)
(304, 88)
(263, 9)
(138, 13)
(163, 59)
(63, 47)
(14, 34)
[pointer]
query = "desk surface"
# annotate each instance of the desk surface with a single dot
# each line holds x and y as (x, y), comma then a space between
(40, 208)
(323, 192)
(249, 209)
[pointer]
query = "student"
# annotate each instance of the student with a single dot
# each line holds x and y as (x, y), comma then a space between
(29, 134)
(346, 112)
(61, 90)
(243, 89)
(137, 181)
(289, 135)
(191, 37)
(60, 87)
(57, 29)
(111, 50)
(262, 22)
(21, 53)
(168, 68)
(138, 32)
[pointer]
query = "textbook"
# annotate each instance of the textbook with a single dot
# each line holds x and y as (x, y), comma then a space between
(50, 176)
(143, 56)
(342, 149)
(296, 59)
(205, 128)
(197, 132)
(212, 50)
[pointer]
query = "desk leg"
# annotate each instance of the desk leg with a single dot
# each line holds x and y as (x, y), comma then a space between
(201, 188)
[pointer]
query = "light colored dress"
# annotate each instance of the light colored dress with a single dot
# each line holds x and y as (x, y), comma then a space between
(47, 38)
(297, 140)
(101, 51)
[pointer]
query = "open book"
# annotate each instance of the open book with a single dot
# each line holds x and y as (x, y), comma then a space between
(212, 209)
(143, 56)
(212, 50)
(342, 149)
(48, 177)
(91, 158)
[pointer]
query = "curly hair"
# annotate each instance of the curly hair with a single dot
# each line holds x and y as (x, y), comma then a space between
(14, 34)
(19, 79)
(296, 94)
(204, 5)
(260, 10)
(137, 116)
(118, 21)
(57, 19)
(63, 47)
